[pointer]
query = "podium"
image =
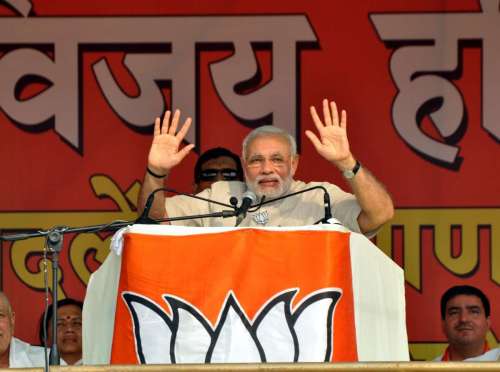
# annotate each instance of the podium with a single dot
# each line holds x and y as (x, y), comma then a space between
(170, 294)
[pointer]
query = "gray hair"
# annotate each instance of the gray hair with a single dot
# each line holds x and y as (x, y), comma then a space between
(267, 131)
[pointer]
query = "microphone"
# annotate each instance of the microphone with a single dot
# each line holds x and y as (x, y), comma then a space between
(328, 207)
(249, 198)
(145, 219)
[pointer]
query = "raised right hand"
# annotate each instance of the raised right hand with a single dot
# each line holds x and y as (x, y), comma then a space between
(164, 153)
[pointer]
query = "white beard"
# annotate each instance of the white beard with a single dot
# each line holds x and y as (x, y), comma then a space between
(280, 190)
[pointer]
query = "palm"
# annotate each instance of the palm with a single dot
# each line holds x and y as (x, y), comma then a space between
(331, 141)
(164, 153)
(334, 144)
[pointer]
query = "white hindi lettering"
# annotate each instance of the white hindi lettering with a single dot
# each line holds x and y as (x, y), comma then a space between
(49, 49)
(427, 48)
(23, 7)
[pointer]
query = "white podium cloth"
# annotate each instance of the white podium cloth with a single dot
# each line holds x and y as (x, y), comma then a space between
(378, 290)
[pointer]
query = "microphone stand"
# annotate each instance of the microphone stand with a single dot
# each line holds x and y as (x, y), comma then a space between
(54, 239)
(55, 236)
(54, 245)
(145, 219)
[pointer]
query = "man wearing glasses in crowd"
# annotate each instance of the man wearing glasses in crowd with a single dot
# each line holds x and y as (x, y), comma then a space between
(217, 164)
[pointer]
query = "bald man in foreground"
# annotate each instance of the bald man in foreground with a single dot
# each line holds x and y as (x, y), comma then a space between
(15, 353)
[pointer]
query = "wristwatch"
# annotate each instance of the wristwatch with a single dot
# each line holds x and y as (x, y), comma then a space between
(350, 173)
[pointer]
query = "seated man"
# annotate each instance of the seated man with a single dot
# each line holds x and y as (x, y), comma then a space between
(270, 160)
(69, 330)
(15, 353)
(465, 314)
(217, 164)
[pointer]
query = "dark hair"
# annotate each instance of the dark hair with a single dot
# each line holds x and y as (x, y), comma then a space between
(464, 290)
(215, 153)
(60, 303)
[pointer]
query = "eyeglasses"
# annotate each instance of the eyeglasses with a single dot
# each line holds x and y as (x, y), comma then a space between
(211, 174)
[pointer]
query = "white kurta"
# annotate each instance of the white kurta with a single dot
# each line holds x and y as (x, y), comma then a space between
(297, 210)
(24, 355)
(378, 290)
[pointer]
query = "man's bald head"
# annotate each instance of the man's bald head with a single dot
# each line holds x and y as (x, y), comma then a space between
(5, 303)
(7, 319)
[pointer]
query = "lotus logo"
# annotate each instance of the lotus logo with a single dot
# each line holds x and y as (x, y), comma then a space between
(277, 333)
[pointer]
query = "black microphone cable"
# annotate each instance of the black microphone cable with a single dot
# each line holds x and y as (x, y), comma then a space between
(144, 217)
(326, 202)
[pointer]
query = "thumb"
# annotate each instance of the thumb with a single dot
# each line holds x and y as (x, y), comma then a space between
(314, 139)
(185, 151)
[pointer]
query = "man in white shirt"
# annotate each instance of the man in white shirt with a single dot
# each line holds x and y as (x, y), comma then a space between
(270, 161)
(15, 353)
(465, 314)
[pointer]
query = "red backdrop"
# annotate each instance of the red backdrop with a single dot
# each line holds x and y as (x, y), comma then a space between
(77, 159)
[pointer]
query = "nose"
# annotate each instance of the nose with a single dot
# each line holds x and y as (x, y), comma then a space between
(67, 329)
(267, 167)
(463, 317)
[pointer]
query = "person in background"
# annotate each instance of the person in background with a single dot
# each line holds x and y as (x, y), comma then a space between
(465, 315)
(15, 353)
(217, 164)
(69, 330)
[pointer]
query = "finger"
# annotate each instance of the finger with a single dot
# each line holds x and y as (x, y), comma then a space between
(156, 131)
(314, 139)
(343, 121)
(184, 129)
(166, 119)
(326, 113)
(175, 122)
(335, 113)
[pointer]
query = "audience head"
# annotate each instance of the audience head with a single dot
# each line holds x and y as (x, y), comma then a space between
(465, 314)
(69, 329)
(214, 165)
(270, 161)
(7, 320)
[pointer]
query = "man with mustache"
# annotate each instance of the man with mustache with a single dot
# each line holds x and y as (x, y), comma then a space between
(270, 160)
(15, 353)
(465, 314)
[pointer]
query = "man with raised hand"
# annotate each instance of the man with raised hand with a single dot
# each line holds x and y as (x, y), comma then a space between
(270, 160)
